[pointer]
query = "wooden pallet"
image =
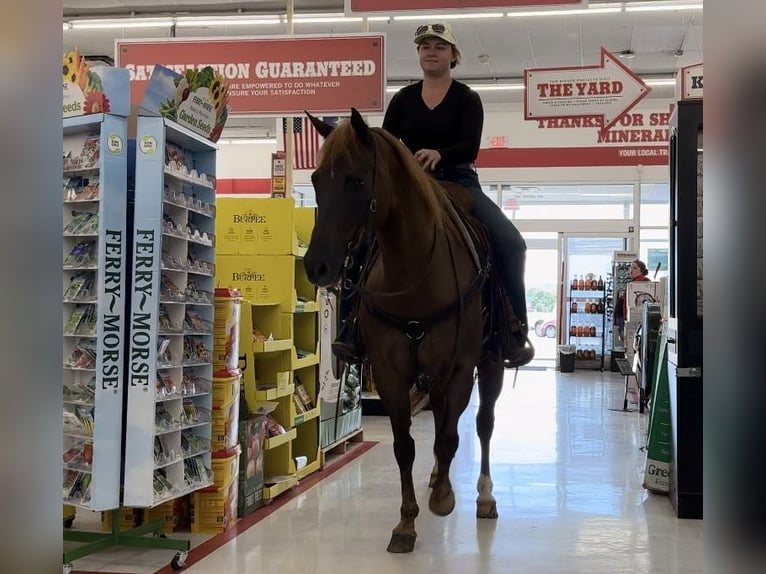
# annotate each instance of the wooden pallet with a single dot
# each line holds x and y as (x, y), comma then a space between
(341, 447)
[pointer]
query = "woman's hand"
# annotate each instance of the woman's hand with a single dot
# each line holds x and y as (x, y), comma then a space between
(428, 158)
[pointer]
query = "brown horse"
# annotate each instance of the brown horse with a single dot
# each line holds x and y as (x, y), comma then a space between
(421, 312)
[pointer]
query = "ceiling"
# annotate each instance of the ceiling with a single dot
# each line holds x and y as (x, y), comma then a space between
(493, 50)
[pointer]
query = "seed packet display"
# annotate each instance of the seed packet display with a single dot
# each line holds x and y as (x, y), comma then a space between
(303, 394)
(192, 444)
(82, 223)
(195, 472)
(163, 420)
(165, 386)
(83, 392)
(83, 356)
(82, 255)
(77, 189)
(80, 287)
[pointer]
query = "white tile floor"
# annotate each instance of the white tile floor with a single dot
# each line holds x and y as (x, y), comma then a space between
(567, 474)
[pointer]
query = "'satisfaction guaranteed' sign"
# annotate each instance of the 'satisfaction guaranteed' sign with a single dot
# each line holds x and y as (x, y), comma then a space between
(387, 5)
(273, 76)
(606, 92)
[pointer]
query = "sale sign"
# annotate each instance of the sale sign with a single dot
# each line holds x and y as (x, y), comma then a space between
(409, 5)
(274, 75)
(606, 92)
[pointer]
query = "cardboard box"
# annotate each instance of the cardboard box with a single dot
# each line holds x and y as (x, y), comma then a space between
(215, 511)
(640, 292)
(247, 226)
(251, 434)
(262, 279)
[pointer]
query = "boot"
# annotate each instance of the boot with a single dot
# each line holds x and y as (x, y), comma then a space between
(348, 345)
(522, 352)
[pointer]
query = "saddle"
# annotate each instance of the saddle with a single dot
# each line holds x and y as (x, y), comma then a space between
(500, 326)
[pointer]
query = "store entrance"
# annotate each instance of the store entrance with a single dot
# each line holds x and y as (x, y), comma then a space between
(584, 295)
(541, 280)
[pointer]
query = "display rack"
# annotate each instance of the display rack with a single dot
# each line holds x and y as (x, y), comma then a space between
(586, 322)
(168, 433)
(261, 248)
(617, 284)
(94, 269)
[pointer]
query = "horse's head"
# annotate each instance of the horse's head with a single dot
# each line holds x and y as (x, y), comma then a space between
(344, 183)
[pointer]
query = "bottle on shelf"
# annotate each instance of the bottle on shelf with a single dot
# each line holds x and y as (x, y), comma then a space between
(600, 283)
(578, 354)
(573, 307)
(593, 284)
(581, 284)
(600, 306)
(575, 283)
(592, 330)
(573, 330)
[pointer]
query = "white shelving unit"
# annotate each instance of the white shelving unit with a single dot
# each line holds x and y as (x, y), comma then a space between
(94, 287)
(167, 441)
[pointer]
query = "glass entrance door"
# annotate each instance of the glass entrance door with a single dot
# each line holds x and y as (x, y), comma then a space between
(541, 281)
(584, 305)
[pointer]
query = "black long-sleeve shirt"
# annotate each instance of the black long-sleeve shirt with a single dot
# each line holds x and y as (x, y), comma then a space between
(453, 128)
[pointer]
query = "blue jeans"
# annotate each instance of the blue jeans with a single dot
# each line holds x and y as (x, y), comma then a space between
(509, 246)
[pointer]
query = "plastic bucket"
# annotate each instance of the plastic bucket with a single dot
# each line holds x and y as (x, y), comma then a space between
(567, 358)
(228, 306)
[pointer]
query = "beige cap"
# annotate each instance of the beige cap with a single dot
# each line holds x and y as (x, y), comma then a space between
(439, 30)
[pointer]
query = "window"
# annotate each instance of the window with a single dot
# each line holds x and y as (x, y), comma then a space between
(567, 201)
(654, 251)
(655, 204)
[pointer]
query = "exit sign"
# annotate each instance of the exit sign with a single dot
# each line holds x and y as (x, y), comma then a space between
(498, 141)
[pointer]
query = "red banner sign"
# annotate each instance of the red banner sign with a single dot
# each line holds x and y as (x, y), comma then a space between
(409, 5)
(273, 76)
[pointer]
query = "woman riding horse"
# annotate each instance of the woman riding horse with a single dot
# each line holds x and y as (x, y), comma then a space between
(421, 298)
(440, 120)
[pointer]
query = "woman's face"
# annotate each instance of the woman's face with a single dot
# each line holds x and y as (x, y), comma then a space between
(435, 55)
(635, 271)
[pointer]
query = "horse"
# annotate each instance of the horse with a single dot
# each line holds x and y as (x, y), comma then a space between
(421, 309)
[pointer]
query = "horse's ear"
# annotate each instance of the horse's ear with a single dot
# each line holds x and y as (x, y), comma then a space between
(363, 131)
(322, 128)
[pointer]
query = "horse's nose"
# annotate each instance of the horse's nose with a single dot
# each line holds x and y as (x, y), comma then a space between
(318, 272)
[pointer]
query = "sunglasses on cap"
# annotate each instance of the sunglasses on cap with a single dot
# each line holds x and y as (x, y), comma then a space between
(437, 28)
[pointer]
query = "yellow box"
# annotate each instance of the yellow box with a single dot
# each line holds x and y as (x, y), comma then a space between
(129, 518)
(247, 226)
(263, 279)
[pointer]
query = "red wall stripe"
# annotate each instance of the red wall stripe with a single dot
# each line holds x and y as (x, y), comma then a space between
(604, 156)
(243, 185)
(573, 156)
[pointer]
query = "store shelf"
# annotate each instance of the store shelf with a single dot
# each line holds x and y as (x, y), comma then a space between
(171, 295)
(277, 441)
(275, 393)
(261, 347)
(310, 468)
(301, 418)
(93, 301)
(272, 491)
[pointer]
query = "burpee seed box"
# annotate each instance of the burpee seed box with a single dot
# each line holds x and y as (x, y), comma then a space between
(262, 279)
(247, 226)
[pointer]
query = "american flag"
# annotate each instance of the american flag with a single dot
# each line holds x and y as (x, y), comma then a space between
(306, 140)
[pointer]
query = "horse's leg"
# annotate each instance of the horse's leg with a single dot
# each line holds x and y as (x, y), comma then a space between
(395, 396)
(447, 408)
(434, 470)
(490, 384)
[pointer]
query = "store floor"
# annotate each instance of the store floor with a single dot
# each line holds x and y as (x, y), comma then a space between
(567, 474)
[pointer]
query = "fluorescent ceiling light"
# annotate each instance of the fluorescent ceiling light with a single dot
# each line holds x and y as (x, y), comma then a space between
(495, 87)
(192, 21)
(574, 12)
(656, 82)
(67, 26)
(245, 141)
(464, 16)
(105, 24)
(661, 7)
(379, 18)
(324, 20)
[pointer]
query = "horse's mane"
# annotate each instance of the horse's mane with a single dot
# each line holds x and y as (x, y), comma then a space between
(400, 167)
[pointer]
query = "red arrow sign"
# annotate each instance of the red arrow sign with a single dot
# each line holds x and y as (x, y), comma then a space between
(607, 91)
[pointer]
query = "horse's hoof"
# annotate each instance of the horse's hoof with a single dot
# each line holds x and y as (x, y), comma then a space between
(442, 506)
(432, 480)
(401, 543)
(486, 509)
